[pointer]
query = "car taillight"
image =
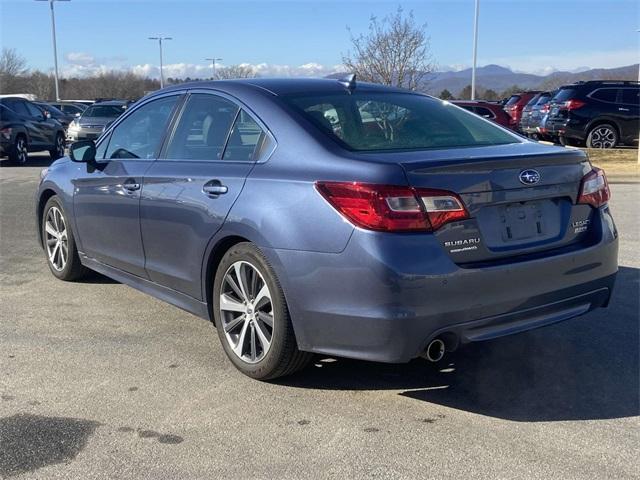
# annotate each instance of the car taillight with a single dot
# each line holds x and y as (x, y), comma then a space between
(594, 189)
(391, 208)
(573, 104)
(6, 133)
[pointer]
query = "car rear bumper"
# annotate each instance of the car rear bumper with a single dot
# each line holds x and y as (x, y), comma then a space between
(387, 295)
(565, 128)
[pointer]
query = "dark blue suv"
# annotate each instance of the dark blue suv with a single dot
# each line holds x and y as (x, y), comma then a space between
(333, 217)
(598, 114)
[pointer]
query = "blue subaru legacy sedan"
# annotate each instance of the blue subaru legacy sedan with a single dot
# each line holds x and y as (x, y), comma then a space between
(332, 217)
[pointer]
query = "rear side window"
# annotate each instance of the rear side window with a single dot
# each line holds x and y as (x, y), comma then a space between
(631, 96)
(513, 99)
(245, 136)
(19, 106)
(140, 134)
(375, 121)
(605, 94)
(565, 94)
(202, 131)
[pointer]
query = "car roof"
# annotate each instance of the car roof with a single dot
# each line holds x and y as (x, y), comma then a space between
(115, 103)
(286, 86)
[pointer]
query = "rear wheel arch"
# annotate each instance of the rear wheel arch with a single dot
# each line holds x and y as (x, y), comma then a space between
(602, 121)
(214, 257)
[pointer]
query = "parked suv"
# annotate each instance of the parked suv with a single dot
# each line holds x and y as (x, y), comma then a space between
(514, 106)
(533, 113)
(598, 114)
(25, 127)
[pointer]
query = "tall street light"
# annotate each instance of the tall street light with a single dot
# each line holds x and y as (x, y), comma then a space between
(475, 51)
(160, 38)
(213, 64)
(55, 48)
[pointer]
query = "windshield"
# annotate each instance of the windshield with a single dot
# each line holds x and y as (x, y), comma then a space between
(366, 121)
(110, 111)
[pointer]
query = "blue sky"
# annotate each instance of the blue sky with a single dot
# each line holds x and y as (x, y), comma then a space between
(308, 37)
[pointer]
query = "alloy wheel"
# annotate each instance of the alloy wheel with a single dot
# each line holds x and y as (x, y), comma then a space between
(603, 137)
(246, 312)
(21, 150)
(56, 239)
(60, 146)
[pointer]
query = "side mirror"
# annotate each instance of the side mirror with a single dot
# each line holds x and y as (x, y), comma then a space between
(83, 151)
(46, 115)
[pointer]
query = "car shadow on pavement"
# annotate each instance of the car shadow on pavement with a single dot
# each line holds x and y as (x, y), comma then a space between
(582, 369)
(33, 161)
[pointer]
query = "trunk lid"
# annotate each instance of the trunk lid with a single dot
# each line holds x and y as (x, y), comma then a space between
(521, 199)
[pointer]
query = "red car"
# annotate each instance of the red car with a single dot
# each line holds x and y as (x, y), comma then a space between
(515, 105)
(488, 110)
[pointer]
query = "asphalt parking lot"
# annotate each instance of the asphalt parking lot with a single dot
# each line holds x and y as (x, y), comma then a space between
(98, 380)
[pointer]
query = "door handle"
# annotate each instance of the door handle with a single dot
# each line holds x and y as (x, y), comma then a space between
(623, 109)
(131, 186)
(215, 188)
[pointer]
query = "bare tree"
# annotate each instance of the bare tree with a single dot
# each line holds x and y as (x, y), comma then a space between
(12, 67)
(235, 71)
(396, 51)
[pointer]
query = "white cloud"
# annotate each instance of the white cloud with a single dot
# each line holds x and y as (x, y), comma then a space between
(83, 64)
(79, 58)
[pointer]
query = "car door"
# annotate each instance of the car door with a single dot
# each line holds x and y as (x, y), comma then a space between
(189, 191)
(107, 196)
(629, 110)
(46, 126)
(19, 106)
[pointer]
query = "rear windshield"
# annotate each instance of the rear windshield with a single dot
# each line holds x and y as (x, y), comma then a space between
(565, 94)
(111, 111)
(513, 99)
(374, 121)
(533, 100)
(544, 98)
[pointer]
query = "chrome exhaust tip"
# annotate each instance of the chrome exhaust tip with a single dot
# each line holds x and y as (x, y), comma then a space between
(435, 350)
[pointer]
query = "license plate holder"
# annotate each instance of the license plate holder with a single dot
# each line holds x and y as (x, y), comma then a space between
(521, 221)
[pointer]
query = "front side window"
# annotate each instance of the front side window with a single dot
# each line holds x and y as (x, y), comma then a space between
(202, 131)
(631, 96)
(513, 99)
(140, 134)
(369, 121)
(33, 110)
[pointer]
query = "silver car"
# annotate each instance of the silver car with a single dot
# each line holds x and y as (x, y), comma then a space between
(91, 123)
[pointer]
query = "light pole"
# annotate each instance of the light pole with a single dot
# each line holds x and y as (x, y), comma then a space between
(475, 51)
(55, 48)
(160, 38)
(213, 64)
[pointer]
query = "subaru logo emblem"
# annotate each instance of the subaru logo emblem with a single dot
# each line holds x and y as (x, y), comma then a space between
(529, 177)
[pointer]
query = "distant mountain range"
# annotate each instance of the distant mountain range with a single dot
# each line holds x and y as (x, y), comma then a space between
(498, 78)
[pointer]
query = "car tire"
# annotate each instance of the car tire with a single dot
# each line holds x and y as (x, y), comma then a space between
(59, 243)
(19, 152)
(58, 149)
(604, 135)
(252, 317)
